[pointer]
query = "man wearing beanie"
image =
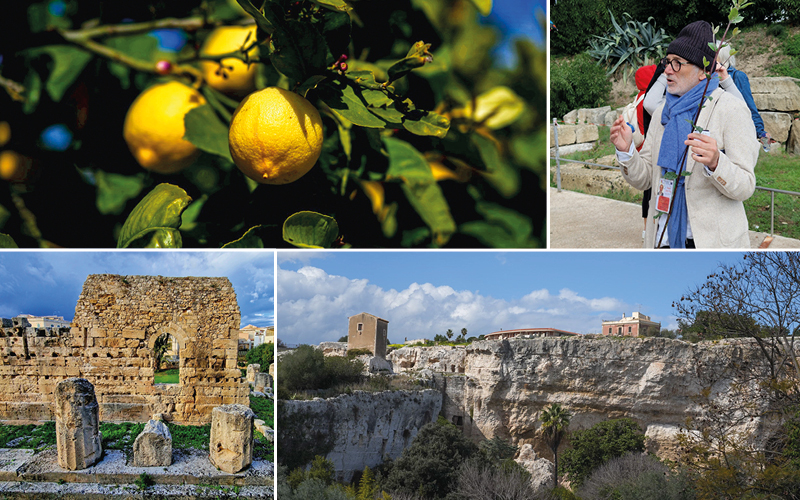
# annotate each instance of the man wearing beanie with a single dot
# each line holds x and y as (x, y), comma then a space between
(705, 207)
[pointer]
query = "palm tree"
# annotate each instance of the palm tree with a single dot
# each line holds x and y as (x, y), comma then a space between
(555, 421)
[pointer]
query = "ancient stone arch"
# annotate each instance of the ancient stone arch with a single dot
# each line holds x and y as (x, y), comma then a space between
(117, 321)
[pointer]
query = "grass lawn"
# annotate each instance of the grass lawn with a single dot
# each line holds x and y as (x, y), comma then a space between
(777, 171)
(166, 376)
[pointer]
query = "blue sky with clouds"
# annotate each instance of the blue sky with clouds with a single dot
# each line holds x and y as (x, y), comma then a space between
(49, 282)
(425, 293)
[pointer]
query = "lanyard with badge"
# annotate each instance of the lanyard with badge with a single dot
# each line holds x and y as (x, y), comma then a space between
(666, 187)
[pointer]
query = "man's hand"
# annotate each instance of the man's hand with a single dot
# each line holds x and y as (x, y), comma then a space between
(704, 149)
(722, 71)
(621, 135)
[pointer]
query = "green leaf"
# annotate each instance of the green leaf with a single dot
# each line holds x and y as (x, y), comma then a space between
(429, 202)
(310, 230)
(406, 163)
(484, 6)
(393, 117)
(154, 222)
(299, 52)
(310, 84)
(670, 176)
(338, 5)
(344, 101)
(336, 31)
(427, 123)
(114, 191)
(733, 14)
(261, 21)
(7, 241)
(251, 239)
(416, 58)
(686, 173)
(205, 130)
(499, 173)
(33, 91)
(737, 20)
(501, 228)
(68, 62)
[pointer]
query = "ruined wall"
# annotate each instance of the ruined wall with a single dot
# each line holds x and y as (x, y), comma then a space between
(117, 321)
(354, 430)
(498, 388)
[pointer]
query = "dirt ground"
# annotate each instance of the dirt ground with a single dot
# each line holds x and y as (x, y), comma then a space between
(756, 53)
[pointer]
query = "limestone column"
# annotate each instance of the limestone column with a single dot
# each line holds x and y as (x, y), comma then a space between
(153, 447)
(231, 446)
(252, 370)
(78, 438)
(262, 382)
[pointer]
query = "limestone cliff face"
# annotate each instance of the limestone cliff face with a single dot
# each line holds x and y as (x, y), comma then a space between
(498, 388)
(355, 430)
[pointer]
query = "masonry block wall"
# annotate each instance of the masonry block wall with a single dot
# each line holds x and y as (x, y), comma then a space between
(117, 321)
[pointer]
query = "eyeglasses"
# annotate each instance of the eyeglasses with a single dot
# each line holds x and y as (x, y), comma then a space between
(672, 62)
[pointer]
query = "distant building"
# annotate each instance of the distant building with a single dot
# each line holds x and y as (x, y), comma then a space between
(45, 322)
(366, 331)
(635, 325)
(252, 336)
(528, 333)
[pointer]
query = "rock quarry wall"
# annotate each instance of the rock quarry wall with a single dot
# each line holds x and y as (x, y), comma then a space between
(498, 388)
(117, 321)
(355, 430)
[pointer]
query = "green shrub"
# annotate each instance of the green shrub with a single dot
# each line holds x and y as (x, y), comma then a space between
(263, 355)
(144, 481)
(595, 446)
(636, 475)
(429, 467)
(577, 83)
(264, 408)
(777, 30)
(306, 368)
(352, 353)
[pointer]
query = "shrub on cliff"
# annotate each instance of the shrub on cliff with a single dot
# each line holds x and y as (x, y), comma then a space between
(306, 368)
(429, 467)
(639, 476)
(595, 446)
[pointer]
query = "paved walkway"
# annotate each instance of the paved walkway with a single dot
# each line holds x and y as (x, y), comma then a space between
(583, 221)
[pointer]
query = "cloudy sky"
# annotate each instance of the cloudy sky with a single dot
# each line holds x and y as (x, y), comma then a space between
(425, 293)
(49, 282)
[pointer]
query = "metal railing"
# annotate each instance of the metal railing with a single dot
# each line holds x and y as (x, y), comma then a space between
(558, 160)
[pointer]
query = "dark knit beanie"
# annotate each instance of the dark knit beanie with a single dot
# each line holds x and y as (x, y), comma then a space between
(692, 43)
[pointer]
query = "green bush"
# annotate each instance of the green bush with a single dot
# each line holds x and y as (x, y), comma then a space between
(638, 476)
(352, 353)
(306, 368)
(595, 446)
(429, 467)
(577, 83)
(264, 408)
(263, 355)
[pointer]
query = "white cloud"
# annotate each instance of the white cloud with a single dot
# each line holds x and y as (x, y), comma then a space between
(313, 306)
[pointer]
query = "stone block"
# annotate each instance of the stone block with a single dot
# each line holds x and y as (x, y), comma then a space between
(777, 125)
(231, 445)
(776, 94)
(252, 369)
(793, 144)
(586, 133)
(261, 381)
(566, 135)
(133, 333)
(596, 116)
(78, 438)
(153, 447)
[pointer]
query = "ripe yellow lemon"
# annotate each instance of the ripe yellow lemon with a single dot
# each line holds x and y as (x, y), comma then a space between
(154, 127)
(12, 166)
(230, 75)
(275, 136)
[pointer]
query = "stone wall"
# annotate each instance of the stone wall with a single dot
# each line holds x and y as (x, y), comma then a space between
(498, 388)
(355, 430)
(117, 321)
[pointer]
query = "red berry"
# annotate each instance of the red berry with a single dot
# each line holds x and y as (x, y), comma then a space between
(163, 67)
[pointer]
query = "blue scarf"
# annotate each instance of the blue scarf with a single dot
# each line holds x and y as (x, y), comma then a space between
(677, 118)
